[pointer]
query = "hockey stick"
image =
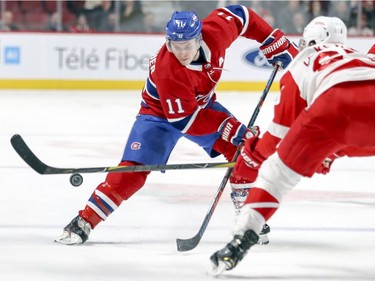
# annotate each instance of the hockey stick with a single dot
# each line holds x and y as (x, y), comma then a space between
(37, 165)
(189, 244)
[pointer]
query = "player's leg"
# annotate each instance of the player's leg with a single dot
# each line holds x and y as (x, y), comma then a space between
(151, 141)
(356, 102)
(341, 117)
(299, 154)
(304, 148)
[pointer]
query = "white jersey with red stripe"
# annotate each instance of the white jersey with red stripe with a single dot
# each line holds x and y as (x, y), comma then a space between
(312, 72)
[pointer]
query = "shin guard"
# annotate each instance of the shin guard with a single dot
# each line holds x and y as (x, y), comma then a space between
(108, 196)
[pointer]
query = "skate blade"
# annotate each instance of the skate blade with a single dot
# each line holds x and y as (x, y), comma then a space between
(69, 239)
(263, 240)
(217, 270)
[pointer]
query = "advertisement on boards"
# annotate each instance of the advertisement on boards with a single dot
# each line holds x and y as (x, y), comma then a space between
(43, 57)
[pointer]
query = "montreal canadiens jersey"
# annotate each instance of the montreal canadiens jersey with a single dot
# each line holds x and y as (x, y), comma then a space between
(183, 94)
(312, 72)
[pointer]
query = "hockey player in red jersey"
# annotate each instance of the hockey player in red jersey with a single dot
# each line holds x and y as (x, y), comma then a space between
(329, 90)
(179, 100)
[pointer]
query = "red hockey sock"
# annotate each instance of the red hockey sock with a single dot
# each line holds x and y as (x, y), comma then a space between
(263, 202)
(103, 201)
(90, 216)
(108, 196)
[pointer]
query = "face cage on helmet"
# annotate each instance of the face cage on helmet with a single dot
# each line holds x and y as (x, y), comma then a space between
(302, 44)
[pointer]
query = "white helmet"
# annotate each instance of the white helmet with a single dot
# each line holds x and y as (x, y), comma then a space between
(324, 30)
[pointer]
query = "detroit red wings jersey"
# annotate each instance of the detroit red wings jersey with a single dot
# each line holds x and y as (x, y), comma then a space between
(311, 73)
(183, 94)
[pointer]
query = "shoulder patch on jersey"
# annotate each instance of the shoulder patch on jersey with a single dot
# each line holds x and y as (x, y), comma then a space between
(135, 145)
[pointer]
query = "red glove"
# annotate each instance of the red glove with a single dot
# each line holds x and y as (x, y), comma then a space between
(325, 168)
(247, 165)
(277, 48)
(234, 131)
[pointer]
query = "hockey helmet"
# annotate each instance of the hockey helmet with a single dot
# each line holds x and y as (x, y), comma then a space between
(183, 26)
(324, 30)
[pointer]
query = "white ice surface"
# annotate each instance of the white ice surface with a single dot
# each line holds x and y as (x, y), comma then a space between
(324, 230)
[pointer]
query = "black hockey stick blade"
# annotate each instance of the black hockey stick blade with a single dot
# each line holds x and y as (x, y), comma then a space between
(27, 155)
(191, 243)
(37, 165)
(184, 245)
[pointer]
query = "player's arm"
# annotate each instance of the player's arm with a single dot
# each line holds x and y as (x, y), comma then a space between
(237, 20)
(274, 45)
(182, 111)
(256, 150)
(203, 121)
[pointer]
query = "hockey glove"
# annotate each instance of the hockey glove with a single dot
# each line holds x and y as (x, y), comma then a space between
(233, 131)
(277, 48)
(325, 167)
(247, 165)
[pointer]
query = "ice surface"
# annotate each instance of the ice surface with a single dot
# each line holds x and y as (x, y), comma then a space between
(324, 230)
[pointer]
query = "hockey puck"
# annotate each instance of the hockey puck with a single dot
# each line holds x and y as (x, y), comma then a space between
(76, 179)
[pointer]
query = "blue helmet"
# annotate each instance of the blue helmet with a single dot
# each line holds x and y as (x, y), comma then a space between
(183, 26)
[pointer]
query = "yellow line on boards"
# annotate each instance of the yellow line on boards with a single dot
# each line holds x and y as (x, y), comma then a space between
(119, 85)
(246, 86)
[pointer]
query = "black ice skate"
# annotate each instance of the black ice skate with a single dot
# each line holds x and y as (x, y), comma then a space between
(76, 232)
(263, 237)
(228, 257)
